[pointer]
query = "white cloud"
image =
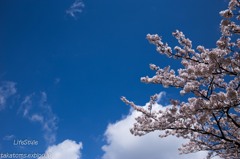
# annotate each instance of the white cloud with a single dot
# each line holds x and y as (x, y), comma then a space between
(75, 8)
(122, 144)
(68, 149)
(36, 109)
(7, 89)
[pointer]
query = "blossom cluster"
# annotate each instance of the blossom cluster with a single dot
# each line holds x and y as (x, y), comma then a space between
(210, 118)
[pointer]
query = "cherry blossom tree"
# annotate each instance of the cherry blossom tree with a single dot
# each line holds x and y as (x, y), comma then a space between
(210, 118)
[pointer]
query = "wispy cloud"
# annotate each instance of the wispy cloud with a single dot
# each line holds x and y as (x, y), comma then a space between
(7, 89)
(160, 96)
(36, 109)
(67, 149)
(26, 105)
(8, 137)
(76, 8)
(57, 81)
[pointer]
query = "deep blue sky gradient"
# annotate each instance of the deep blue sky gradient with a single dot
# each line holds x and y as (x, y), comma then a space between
(85, 64)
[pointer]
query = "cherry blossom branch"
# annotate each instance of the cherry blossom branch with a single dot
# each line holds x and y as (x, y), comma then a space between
(210, 118)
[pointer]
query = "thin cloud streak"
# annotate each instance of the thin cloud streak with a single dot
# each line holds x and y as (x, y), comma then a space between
(8, 137)
(75, 8)
(7, 89)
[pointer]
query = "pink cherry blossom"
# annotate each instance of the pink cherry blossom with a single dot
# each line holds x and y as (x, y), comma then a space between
(210, 119)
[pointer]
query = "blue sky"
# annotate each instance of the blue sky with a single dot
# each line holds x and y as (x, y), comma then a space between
(65, 64)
